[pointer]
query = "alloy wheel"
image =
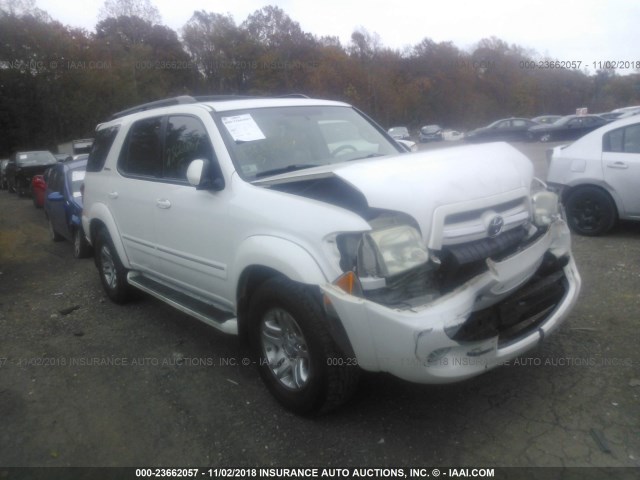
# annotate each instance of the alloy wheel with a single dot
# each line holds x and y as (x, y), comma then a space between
(285, 349)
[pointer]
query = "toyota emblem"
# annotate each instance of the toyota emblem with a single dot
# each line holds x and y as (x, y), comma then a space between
(495, 226)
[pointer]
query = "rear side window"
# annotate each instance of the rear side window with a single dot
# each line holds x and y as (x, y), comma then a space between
(623, 140)
(101, 146)
(185, 140)
(142, 152)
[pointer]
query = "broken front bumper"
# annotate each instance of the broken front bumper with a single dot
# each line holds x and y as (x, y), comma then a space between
(489, 320)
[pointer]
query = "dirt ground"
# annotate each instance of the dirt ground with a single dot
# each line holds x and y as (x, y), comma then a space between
(85, 382)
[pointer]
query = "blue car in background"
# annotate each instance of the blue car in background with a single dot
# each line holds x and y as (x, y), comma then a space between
(63, 205)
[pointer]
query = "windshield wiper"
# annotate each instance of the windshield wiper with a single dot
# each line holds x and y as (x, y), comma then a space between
(288, 168)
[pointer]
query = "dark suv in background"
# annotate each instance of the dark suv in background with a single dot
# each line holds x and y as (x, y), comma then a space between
(23, 166)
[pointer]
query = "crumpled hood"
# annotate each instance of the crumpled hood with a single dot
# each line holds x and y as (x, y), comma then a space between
(417, 183)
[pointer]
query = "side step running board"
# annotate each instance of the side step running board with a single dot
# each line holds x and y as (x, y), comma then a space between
(205, 312)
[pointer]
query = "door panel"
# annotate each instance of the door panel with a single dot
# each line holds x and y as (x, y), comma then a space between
(621, 166)
(192, 238)
(134, 190)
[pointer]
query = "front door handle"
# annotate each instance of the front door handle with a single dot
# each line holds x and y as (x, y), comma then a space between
(113, 195)
(163, 203)
(620, 165)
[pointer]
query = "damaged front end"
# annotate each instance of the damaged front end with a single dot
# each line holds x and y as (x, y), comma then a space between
(487, 299)
(392, 265)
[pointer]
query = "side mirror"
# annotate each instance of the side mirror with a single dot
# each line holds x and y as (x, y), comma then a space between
(203, 176)
(407, 145)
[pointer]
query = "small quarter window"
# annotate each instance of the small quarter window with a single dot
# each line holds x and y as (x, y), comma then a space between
(101, 146)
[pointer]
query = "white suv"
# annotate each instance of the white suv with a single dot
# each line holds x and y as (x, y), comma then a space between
(303, 226)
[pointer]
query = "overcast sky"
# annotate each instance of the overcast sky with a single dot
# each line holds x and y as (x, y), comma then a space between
(570, 30)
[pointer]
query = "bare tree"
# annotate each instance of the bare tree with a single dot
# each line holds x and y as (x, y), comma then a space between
(23, 7)
(143, 9)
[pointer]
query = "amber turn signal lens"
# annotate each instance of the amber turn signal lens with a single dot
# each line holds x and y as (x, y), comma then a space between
(349, 283)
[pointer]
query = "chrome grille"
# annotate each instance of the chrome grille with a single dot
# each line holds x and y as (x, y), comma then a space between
(472, 225)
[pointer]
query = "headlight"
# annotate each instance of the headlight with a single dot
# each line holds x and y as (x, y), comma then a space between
(388, 265)
(390, 251)
(545, 208)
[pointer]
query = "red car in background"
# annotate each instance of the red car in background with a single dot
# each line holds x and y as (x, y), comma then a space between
(38, 187)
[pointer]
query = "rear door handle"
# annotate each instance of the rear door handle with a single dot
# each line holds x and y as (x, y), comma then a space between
(620, 165)
(113, 195)
(163, 203)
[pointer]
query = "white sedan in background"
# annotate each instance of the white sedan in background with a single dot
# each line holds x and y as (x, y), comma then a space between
(599, 176)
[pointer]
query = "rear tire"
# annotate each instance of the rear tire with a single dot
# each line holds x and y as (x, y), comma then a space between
(590, 211)
(53, 235)
(298, 359)
(113, 274)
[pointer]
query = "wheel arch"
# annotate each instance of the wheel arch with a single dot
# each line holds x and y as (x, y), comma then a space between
(100, 218)
(263, 257)
(599, 184)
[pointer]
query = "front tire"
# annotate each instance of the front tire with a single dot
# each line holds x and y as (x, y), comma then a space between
(113, 274)
(22, 188)
(298, 359)
(590, 211)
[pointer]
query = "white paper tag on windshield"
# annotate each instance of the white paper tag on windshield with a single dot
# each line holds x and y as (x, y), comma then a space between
(243, 128)
(76, 176)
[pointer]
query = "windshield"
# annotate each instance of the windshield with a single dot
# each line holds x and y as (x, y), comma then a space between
(35, 158)
(76, 179)
(268, 141)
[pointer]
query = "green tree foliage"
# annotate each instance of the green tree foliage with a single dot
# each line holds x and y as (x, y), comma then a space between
(58, 82)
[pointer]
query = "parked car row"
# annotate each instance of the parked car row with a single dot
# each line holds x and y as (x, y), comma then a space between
(428, 133)
(56, 189)
(544, 128)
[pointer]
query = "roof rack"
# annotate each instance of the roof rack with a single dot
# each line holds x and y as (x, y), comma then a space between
(187, 99)
(220, 98)
(157, 104)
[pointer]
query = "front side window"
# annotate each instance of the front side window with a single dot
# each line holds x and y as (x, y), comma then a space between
(268, 141)
(142, 151)
(185, 140)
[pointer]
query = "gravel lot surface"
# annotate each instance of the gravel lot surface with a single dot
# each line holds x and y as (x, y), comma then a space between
(85, 382)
